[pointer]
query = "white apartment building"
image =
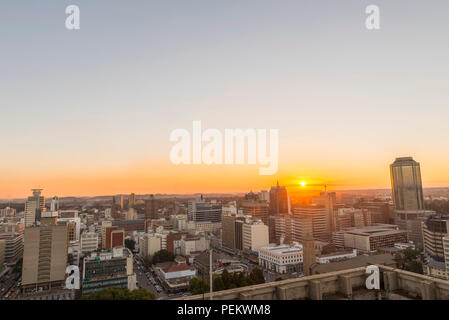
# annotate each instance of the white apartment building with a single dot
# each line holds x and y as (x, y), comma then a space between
(194, 244)
(282, 258)
(88, 242)
(149, 244)
(255, 235)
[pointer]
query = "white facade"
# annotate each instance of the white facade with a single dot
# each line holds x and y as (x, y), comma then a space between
(149, 245)
(255, 236)
(189, 245)
(89, 242)
(282, 258)
(336, 256)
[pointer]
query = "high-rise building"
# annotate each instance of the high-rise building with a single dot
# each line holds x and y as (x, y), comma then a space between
(329, 201)
(131, 200)
(202, 211)
(13, 245)
(2, 254)
(45, 255)
(446, 255)
(257, 209)
(278, 200)
(122, 200)
(151, 208)
(408, 199)
(33, 207)
(231, 232)
(434, 230)
(315, 217)
(255, 235)
(54, 206)
(406, 184)
(284, 228)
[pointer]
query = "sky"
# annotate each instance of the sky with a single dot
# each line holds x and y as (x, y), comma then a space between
(90, 111)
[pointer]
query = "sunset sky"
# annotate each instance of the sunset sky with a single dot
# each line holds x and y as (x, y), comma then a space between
(89, 112)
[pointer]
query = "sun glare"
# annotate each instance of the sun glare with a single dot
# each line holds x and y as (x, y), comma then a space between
(303, 183)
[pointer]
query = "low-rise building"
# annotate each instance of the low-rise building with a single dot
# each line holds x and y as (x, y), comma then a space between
(282, 258)
(175, 275)
(336, 256)
(371, 238)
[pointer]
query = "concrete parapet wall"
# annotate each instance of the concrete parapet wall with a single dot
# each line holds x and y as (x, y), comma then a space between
(341, 283)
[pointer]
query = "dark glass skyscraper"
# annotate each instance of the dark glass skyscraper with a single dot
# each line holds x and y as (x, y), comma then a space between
(278, 200)
(406, 184)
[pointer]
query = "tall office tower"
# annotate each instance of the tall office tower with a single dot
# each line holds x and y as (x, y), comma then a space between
(202, 211)
(317, 216)
(278, 200)
(45, 254)
(279, 204)
(33, 207)
(434, 230)
(131, 200)
(309, 253)
(151, 208)
(406, 184)
(254, 207)
(232, 237)
(408, 198)
(54, 206)
(329, 201)
(121, 201)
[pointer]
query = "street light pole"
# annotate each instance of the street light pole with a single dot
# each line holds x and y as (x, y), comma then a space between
(210, 274)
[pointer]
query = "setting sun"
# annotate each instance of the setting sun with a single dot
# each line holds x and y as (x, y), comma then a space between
(303, 183)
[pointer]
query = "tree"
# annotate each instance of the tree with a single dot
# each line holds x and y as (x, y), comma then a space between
(410, 259)
(130, 244)
(227, 279)
(256, 276)
(115, 293)
(198, 286)
(142, 294)
(217, 284)
(163, 256)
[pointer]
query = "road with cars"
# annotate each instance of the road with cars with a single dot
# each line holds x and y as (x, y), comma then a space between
(10, 285)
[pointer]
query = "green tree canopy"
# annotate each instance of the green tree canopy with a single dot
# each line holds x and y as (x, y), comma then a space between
(163, 256)
(130, 244)
(256, 276)
(198, 286)
(115, 293)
